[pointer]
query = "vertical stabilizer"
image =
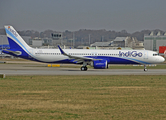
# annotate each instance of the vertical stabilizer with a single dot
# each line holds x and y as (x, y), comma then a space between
(15, 40)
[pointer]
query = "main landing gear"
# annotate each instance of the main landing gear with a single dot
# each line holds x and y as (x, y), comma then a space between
(84, 68)
(145, 69)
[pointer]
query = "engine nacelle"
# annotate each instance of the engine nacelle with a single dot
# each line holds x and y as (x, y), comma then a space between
(100, 64)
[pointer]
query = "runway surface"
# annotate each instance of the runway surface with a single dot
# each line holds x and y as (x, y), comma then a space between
(41, 69)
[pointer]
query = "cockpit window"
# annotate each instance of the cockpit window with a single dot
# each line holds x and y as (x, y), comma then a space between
(155, 54)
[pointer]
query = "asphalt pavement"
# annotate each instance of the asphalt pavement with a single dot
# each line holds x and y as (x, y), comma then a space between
(33, 68)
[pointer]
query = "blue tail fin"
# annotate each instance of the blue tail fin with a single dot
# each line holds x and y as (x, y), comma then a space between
(18, 47)
(15, 40)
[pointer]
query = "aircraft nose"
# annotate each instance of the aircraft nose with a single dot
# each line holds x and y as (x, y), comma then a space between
(162, 59)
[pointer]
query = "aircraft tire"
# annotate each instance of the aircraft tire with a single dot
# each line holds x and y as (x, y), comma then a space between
(84, 68)
(145, 70)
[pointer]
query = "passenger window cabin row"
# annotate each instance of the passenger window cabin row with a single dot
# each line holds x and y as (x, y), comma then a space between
(90, 54)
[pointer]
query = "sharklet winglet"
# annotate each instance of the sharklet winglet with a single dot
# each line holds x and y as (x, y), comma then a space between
(62, 52)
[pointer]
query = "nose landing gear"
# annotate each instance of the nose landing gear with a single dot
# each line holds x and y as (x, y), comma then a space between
(84, 68)
(145, 69)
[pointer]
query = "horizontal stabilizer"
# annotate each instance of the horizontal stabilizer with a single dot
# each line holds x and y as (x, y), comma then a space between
(14, 52)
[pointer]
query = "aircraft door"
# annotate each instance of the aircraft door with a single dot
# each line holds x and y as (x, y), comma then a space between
(145, 54)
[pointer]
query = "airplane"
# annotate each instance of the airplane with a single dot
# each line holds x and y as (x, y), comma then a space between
(99, 59)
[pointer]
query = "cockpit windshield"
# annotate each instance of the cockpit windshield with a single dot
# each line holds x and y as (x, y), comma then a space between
(155, 54)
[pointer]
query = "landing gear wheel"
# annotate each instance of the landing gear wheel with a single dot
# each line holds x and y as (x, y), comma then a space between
(84, 68)
(145, 70)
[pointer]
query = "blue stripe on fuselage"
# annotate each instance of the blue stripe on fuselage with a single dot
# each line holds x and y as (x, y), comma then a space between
(110, 60)
(119, 60)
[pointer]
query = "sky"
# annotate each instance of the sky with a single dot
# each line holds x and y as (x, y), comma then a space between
(73, 15)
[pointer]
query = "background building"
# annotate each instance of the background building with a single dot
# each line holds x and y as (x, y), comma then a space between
(37, 42)
(153, 41)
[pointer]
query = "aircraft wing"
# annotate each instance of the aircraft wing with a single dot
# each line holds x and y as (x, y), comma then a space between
(76, 58)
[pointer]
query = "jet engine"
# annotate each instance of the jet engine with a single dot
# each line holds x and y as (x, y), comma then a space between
(99, 64)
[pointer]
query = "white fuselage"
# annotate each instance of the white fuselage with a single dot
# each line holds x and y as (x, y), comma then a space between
(54, 55)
